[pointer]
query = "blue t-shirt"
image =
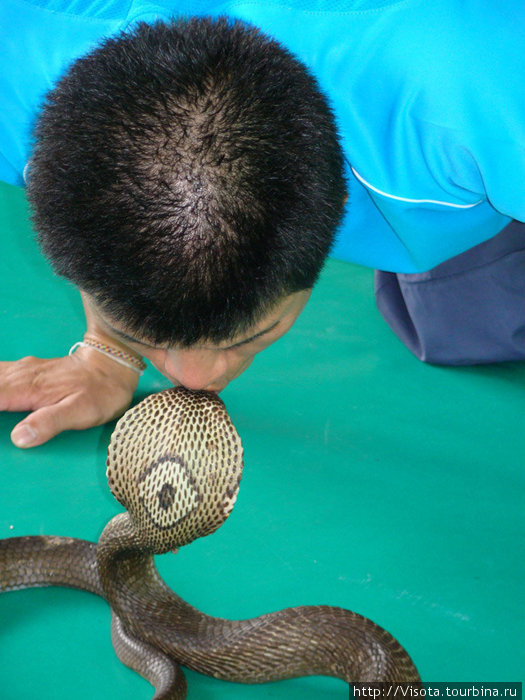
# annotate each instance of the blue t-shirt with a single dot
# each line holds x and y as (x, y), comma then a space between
(429, 97)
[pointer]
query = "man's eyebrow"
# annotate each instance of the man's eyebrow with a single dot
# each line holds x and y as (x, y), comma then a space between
(252, 337)
(130, 338)
(125, 336)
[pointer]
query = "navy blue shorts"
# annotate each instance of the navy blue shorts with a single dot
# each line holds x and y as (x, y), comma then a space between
(468, 310)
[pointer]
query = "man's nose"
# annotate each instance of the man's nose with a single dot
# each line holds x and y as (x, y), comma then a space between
(196, 369)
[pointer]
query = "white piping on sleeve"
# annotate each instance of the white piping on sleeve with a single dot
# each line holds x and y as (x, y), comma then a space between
(413, 201)
(26, 171)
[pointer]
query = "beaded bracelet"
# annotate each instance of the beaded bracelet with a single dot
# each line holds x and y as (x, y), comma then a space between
(123, 358)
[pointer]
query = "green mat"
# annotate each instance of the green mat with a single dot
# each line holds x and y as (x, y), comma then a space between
(372, 482)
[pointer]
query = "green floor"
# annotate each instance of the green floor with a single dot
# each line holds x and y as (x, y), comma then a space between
(372, 482)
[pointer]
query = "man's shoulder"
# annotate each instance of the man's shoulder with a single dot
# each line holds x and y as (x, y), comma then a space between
(49, 35)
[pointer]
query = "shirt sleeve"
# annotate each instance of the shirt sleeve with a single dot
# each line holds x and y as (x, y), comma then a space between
(32, 58)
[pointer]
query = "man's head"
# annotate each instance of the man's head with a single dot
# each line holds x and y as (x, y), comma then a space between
(188, 177)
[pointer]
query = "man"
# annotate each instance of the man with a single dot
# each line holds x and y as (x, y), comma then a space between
(430, 102)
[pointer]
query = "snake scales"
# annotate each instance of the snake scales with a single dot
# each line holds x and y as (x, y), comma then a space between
(175, 463)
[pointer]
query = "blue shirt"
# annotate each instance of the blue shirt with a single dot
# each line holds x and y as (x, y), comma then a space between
(429, 97)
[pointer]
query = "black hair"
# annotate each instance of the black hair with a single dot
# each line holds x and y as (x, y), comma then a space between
(187, 175)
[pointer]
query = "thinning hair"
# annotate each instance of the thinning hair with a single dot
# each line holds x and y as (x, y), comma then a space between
(187, 175)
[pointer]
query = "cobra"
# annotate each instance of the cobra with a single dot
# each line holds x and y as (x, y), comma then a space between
(175, 463)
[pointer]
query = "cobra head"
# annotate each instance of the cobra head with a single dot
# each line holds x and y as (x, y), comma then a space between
(175, 463)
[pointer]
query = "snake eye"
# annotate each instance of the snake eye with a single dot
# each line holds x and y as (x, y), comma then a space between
(167, 491)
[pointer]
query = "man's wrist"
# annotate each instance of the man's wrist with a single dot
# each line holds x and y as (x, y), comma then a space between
(125, 358)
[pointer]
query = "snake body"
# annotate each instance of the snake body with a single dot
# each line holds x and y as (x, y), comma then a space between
(175, 464)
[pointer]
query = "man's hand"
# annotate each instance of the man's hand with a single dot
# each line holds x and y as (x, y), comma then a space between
(66, 393)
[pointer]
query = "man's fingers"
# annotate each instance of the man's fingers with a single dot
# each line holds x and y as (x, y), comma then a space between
(19, 387)
(39, 427)
(24, 435)
(63, 394)
(46, 422)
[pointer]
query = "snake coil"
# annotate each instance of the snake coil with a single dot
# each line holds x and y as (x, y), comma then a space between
(175, 463)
